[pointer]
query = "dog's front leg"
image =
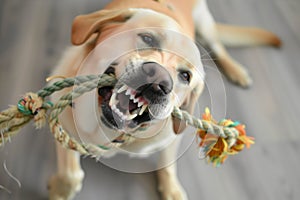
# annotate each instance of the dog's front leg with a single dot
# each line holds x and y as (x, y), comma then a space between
(68, 180)
(169, 185)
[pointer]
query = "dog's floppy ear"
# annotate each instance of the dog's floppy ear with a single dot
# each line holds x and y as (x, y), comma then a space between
(85, 25)
(189, 106)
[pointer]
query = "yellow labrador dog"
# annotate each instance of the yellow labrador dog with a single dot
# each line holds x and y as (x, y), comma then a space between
(157, 66)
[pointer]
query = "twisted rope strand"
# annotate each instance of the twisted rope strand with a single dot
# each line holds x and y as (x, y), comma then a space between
(225, 132)
(8, 114)
(67, 99)
(59, 133)
(67, 82)
(32, 106)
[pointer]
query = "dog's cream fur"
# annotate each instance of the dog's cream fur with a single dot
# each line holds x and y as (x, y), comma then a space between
(185, 17)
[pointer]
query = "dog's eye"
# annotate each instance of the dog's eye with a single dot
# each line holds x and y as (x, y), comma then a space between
(184, 76)
(149, 39)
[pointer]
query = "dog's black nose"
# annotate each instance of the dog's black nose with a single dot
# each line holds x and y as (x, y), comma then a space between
(158, 77)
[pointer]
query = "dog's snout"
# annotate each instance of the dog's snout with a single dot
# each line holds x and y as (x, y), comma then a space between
(158, 77)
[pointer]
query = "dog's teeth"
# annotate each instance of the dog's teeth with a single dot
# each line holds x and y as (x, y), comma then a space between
(132, 96)
(135, 111)
(117, 111)
(120, 114)
(123, 88)
(131, 116)
(140, 103)
(110, 102)
(128, 92)
(114, 108)
(143, 109)
(113, 100)
(135, 100)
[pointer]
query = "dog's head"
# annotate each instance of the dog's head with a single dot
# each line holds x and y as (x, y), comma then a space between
(153, 77)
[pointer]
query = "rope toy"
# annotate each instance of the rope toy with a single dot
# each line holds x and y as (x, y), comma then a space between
(218, 139)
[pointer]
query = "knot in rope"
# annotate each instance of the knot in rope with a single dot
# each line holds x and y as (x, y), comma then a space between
(33, 105)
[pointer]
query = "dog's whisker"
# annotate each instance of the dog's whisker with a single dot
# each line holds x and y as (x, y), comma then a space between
(210, 59)
(207, 53)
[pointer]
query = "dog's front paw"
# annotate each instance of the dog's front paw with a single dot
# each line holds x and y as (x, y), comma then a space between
(169, 187)
(62, 187)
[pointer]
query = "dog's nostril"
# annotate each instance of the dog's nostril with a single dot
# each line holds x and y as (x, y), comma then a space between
(165, 87)
(158, 78)
(156, 87)
(162, 87)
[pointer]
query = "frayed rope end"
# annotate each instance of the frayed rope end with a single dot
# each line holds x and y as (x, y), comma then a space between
(216, 148)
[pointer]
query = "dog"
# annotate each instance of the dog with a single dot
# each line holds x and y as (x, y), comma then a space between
(158, 71)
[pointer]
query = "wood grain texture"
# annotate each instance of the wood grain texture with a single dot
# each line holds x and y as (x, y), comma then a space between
(33, 35)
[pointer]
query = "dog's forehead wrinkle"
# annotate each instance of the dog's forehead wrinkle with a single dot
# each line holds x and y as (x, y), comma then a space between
(161, 21)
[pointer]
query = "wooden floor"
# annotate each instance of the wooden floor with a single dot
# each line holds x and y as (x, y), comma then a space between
(33, 35)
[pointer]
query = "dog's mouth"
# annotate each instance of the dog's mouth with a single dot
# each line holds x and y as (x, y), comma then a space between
(140, 95)
(123, 106)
